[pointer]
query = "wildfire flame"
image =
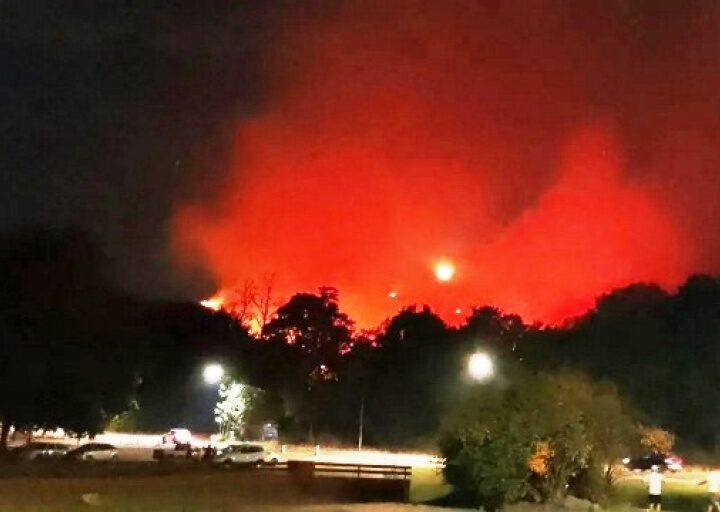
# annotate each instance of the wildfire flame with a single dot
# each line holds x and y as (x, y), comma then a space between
(219, 302)
(216, 302)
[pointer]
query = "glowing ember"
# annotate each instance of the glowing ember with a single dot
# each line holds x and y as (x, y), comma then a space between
(444, 271)
(392, 295)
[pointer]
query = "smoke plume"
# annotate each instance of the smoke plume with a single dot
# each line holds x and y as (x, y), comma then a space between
(550, 151)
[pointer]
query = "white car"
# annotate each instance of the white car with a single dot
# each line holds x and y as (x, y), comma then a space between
(94, 452)
(245, 454)
(42, 451)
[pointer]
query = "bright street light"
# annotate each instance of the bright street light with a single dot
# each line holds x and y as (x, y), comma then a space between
(480, 366)
(213, 373)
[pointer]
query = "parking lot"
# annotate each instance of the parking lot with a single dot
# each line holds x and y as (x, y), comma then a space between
(139, 448)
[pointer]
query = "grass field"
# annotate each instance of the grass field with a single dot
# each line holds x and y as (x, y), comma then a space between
(677, 495)
(427, 484)
(259, 491)
(191, 490)
(217, 492)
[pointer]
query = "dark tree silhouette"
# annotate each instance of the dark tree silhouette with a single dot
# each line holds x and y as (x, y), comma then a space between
(303, 346)
(662, 350)
(68, 354)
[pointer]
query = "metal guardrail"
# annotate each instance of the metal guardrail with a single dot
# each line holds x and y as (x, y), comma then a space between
(332, 469)
(358, 482)
(364, 470)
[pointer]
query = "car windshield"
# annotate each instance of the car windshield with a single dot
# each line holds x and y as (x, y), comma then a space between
(93, 447)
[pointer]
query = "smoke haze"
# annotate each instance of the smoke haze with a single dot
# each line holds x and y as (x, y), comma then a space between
(550, 150)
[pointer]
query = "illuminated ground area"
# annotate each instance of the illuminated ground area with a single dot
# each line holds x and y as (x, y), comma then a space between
(259, 491)
(192, 490)
(680, 491)
(229, 491)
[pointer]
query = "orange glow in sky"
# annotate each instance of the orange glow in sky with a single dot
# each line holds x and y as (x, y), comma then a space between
(379, 150)
(588, 233)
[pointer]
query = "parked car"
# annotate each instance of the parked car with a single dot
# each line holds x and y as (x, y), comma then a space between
(42, 451)
(93, 452)
(664, 461)
(245, 454)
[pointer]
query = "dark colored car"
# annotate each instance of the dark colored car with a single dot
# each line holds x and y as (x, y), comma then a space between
(664, 462)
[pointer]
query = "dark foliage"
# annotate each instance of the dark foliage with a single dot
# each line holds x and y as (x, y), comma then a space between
(76, 352)
(70, 341)
(662, 350)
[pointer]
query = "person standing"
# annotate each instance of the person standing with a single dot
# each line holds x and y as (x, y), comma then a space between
(713, 487)
(654, 481)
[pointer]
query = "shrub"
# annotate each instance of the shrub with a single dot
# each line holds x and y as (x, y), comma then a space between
(535, 439)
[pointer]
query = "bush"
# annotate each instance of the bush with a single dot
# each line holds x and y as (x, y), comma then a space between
(657, 440)
(535, 439)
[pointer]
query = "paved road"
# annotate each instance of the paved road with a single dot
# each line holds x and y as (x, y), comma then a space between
(134, 454)
(141, 454)
(139, 447)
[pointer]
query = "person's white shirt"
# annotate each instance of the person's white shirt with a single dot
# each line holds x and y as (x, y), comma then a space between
(713, 481)
(654, 481)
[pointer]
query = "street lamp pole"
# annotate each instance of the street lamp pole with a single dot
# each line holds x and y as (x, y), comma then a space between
(361, 422)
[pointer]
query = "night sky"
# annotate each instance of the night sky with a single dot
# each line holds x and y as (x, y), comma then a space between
(551, 150)
(114, 112)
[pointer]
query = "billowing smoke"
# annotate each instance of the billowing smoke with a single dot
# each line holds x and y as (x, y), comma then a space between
(549, 151)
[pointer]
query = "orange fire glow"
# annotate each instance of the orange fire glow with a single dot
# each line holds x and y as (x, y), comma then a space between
(220, 302)
(374, 157)
(215, 302)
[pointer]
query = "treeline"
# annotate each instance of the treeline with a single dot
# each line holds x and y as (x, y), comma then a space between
(78, 353)
(661, 349)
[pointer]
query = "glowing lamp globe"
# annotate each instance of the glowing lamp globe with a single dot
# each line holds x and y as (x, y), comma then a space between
(213, 373)
(480, 366)
(444, 271)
